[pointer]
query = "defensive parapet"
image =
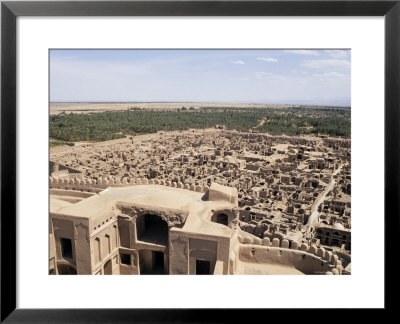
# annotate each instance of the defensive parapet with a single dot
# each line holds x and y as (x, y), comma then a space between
(98, 185)
(308, 258)
(343, 255)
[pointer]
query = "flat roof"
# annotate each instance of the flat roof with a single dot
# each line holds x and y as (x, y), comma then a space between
(154, 196)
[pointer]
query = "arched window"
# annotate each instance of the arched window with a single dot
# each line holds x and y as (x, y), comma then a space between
(115, 234)
(108, 241)
(97, 252)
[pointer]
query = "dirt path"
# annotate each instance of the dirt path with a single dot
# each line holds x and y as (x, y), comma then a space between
(320, 199)
(262, 122)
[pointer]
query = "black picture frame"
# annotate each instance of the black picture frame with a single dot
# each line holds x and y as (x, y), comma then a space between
(10, 10)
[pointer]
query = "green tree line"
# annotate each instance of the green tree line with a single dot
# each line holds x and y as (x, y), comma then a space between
(112, 125)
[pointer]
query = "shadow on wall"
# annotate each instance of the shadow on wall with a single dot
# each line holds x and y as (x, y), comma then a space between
(152, 229)
(223, 217)
(65, 269)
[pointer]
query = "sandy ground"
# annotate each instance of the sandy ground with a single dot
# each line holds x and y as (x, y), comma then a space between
(143, 137)
(127, 139)
(82, 107)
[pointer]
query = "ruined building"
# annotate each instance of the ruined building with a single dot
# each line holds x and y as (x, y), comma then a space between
(151, 227)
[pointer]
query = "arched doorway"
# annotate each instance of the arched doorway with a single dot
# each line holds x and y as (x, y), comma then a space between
(152, 229)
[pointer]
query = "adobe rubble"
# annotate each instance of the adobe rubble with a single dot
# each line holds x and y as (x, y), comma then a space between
(295, 189)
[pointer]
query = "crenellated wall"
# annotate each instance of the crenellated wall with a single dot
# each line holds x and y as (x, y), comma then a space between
(343, 255)
(92, 185)
(306, 258)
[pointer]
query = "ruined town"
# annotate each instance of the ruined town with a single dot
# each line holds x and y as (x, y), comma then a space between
(200, 161)
(202, 201)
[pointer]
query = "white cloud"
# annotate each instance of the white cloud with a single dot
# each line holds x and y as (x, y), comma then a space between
(303, 52)
(267, 59)
(317, 64)
(268, 76)
(338, 54)
(330, 75)
(238, 62)
(161, 78)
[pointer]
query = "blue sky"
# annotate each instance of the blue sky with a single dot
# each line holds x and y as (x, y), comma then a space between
(319, 77)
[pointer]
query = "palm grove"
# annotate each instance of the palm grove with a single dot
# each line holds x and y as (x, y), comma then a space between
(104, 126)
